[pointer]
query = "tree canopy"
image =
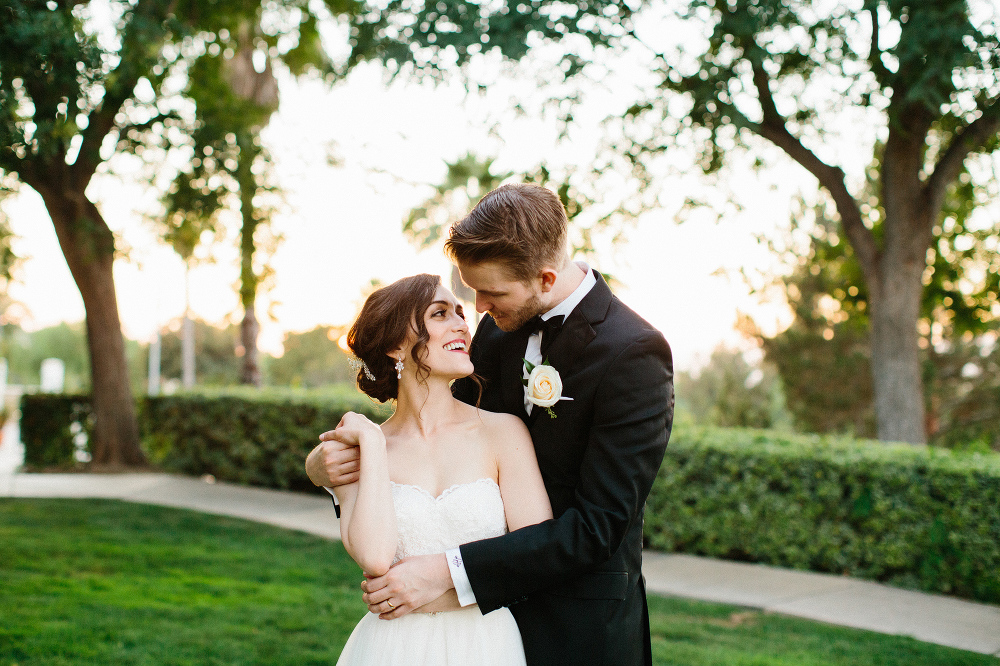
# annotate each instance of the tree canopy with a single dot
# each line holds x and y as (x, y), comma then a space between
(82, 81)
(806, 78)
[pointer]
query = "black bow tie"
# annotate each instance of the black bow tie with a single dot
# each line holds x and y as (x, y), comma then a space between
(549, 328)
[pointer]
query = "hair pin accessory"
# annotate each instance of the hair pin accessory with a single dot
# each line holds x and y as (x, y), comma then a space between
(358, 364)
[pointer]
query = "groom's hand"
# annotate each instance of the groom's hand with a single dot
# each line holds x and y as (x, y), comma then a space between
(333, 463)
(410, 583)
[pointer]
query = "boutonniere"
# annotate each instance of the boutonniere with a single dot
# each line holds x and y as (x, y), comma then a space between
(543, 387)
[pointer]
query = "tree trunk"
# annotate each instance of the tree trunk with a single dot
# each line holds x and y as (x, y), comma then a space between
(249, 329)
(895, 302)
(249, 280)
(88, 246)
(895, 361)
(187, 351)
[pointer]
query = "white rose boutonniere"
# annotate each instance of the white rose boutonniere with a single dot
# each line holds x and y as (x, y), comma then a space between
(543, 387)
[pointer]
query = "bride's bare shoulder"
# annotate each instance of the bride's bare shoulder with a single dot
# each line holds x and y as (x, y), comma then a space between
(498, 426)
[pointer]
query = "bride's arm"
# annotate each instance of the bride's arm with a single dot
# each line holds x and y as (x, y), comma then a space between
(446, 602)
(367, 518)
(525, 501)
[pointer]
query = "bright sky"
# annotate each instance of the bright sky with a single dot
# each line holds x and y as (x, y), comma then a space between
(342, 223)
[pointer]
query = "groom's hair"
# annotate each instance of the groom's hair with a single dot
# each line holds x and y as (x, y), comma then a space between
(521, 226)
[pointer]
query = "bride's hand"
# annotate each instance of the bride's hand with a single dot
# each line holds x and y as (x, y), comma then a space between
(354, 429)
(410, 584)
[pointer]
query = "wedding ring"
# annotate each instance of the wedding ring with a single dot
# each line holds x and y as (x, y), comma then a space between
(390, 604)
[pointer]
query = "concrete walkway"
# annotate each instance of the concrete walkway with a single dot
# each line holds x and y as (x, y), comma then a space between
(834, 599)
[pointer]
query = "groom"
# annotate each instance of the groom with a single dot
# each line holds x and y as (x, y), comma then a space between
(573, 583)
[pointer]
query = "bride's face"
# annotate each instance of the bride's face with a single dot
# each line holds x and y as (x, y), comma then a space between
(447, 349)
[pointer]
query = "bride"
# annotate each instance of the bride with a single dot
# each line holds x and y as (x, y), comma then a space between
(438, 473)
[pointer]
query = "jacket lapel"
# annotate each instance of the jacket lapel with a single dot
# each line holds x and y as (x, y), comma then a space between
(577, 332)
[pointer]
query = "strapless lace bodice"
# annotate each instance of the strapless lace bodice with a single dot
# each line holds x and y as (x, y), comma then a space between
(463, 513)
(427, 525)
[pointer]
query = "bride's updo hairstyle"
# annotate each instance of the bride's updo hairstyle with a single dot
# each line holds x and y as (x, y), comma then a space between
(386, 319)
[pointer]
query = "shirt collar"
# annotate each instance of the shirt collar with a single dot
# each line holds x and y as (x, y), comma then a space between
(568, 304)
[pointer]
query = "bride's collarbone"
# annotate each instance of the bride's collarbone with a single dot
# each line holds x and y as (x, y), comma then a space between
(435, 470)
(446, 440)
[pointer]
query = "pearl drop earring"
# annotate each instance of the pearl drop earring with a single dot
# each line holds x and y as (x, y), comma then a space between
(399, 368)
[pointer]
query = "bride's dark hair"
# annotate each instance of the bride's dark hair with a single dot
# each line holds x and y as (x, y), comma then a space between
(386, 319)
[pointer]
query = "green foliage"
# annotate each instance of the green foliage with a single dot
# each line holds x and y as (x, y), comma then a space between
(827, 381)
(32, 39)
(729, 392)
(216, 362)
(805, 78)
(311, 359)
(67, 342)
(25, 352)
(915, 517)
(81, 81)
(49, 425)
(787, 46)
(824, 356)
(922, 518)
(431, 38)
(261, 442)
(9, 261)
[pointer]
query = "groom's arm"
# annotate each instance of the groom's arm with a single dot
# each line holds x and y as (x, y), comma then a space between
(333, 464)
(632, 417)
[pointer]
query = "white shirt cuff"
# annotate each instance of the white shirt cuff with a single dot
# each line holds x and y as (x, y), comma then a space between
(330, 490)
(456, 567)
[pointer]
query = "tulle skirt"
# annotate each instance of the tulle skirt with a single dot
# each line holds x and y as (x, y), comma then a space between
(455, 638)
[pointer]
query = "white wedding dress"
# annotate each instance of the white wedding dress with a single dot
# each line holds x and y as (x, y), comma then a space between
(427, 525)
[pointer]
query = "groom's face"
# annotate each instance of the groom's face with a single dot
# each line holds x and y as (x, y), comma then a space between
(509, 301)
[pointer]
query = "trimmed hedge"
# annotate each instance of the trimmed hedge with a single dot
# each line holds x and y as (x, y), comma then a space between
(239, 440)
(49, 424)
(912, 516)
(233, 438)
(915, 517)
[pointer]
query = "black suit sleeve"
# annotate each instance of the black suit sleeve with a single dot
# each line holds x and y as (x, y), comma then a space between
(632, 417)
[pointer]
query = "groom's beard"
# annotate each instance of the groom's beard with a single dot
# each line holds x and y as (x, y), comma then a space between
(508, 322)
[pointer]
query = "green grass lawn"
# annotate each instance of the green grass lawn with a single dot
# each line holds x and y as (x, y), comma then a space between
(106, 582)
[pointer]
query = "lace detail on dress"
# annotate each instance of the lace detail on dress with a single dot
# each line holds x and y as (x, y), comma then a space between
(462, 513)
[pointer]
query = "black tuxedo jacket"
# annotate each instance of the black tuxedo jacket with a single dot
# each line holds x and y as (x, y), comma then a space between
(574, 583)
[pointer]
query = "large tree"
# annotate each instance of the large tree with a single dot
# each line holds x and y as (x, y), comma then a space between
(808, 78)
(81, 80)
(824, 355)
(231, 168)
